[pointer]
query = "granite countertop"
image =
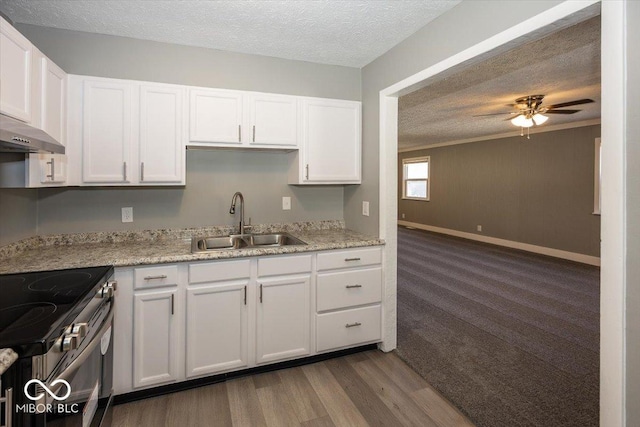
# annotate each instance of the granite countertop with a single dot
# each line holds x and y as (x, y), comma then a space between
(7, 357)
(164, 246)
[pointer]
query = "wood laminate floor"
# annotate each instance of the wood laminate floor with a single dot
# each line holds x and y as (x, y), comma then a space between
(371, 388)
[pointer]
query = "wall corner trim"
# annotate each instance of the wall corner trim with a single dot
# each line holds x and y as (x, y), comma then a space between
(557, 253)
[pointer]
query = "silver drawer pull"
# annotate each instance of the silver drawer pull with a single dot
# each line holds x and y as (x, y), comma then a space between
(351, 325)
(161, 276)
(353, 286)
(352, 259)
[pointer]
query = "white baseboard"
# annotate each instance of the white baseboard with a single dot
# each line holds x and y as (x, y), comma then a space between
(572, 256)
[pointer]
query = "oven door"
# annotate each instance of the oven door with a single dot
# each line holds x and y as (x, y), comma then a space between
(90, 385)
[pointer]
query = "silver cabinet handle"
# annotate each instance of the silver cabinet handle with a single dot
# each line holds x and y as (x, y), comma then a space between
(351, 259)
(124, 171)
(245, 294)
(8, 407)
(260, 292)
(307, 173)
(53, 168)
(351, 325)
(161, 276)
(172, 304)
(353, 286)
(141, 171)
(254, 133)
(239, 133)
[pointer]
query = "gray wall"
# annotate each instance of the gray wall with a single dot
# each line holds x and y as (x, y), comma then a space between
(212, 176)
(537, 191)
(18, 214)
(633, 215)
(438, 40)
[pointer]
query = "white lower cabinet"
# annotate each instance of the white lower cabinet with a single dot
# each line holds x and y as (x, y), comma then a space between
(283, 316)
(154, 337)
(176, 322)
(217, 324)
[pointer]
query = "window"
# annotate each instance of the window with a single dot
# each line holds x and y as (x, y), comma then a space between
(415, 178)
(596, 177)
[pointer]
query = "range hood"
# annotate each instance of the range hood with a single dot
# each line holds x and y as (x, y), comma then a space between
(18, 137)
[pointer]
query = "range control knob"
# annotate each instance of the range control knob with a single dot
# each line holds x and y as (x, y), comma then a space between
(69, 342)
(80, 329)
(107, 290)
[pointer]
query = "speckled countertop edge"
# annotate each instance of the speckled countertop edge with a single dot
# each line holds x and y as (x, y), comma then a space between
(169, 246)
(7, 357)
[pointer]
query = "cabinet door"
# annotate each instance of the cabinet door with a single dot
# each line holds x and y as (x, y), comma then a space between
(283, 318)
(154, 338)
(273, 120)
(15, 73)
(217, 328)
(161, 134)
(107, 120)
(50, 169)
(215, 116)
(53, 99)
(332, 141)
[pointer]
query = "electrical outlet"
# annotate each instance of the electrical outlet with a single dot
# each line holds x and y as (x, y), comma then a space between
(127, 214)
(365, 208)
(479, 227)
(286, 203)
(402, 216)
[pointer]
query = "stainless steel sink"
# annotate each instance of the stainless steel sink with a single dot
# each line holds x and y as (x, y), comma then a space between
(280, 239)
(236, 241)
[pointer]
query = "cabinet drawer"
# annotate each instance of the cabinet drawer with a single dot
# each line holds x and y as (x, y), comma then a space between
(221, 270)
(344, 289)
(284, 265)
(152, 277)
(350, 258)
(348, 327)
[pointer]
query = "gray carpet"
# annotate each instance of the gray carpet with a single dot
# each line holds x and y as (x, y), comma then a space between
(511, 338)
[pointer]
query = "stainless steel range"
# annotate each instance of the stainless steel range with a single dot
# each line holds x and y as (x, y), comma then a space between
(60, 324)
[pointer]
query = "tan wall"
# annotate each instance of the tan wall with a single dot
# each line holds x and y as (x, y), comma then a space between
(537, 191)
(18, 214)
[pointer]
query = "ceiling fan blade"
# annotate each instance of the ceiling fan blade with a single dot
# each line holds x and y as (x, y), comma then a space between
(561, 111)
(571, 103)
(494, 114)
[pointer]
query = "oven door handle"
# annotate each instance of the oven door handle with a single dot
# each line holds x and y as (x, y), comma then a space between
(55, 384)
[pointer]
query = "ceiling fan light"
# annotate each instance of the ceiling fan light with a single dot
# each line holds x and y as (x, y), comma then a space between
(522, 121)
(539, 118)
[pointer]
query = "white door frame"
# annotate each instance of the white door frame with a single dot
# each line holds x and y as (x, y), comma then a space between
(612, 403)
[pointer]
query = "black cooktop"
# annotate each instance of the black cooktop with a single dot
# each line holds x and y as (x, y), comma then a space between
(34, 307)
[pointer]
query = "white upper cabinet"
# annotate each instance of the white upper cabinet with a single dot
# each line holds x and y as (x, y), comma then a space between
(15, 73)
(226, 118)
(131, 133)
(330, 152)
(53, 101)
(49, 98)
(107, 132)
(273, 120)
(216, 117)
(161, 134)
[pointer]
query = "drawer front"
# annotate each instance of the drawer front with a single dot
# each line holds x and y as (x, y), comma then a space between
(348, 288)
(349, 258)
(217, 271)
(348, 328)
(284, 265)
(153, 277)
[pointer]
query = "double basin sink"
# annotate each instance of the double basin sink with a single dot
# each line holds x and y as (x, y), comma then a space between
(237, 241)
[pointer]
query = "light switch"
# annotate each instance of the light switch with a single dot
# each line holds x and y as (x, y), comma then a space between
(365, 208)
(286, 203)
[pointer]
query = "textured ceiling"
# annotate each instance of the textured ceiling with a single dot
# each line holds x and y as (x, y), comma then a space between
(349, 33)
(563, 66)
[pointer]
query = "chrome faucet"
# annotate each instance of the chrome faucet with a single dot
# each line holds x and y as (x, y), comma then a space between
(232, 210)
